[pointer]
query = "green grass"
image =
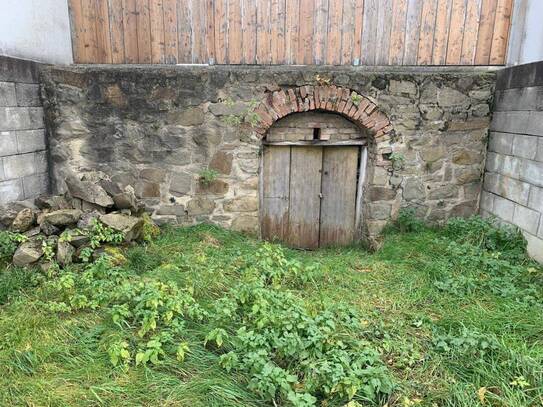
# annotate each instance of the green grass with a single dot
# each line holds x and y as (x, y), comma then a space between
(451, 333)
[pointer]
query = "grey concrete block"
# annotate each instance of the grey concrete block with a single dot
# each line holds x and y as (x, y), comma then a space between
(539, 155)
(535, 124)
(540, 230)
(18, 166)
(40, 162)
(532, 172)
(536, 198)
(500, 142)
(2, 175)
(530, 98)
(28, 94)
(11, 191)
(491, 182)
(525, 146)
(503, 208)
(35, 185)
(18, 70)
(21, 118)
(511, 166)
(511, 122)
(535, 247)
(487, 201)
(30, 140)
(8, 143)
(7, 94)
(494, 162)
(526, 219)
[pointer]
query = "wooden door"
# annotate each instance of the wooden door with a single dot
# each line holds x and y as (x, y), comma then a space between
(309, 195)
(338, 204)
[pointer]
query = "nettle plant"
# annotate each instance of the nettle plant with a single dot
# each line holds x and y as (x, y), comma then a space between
(293, 352)
(9, 242)
(147, 316)
(248, 115)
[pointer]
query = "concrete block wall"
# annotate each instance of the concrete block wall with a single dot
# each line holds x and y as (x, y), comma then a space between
(513, 183)
(23, 155)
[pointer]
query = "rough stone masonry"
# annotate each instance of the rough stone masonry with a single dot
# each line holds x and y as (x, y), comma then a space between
(157, 128)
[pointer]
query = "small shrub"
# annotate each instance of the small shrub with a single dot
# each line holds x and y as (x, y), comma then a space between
(488, 235)
(207, 176)
(9, 242)
(465, 343)
(407, 221)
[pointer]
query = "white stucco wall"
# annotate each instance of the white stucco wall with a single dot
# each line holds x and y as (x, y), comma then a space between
(36, 29)
(526, 40)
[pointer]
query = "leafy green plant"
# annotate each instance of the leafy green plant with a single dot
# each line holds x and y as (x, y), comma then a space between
(465, 342)
(291, 351)
(407, 221)
(356, 98)
(149, 316)
(248, 115)
(98, 234)
(207, 176)
(398, 160)
(9, 242)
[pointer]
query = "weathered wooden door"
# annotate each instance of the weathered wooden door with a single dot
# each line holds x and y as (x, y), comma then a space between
(309, 195)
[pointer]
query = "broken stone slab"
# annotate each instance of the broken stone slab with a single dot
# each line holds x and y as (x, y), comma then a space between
(48, 229)
(28, 253)
(33, 232)
(8, 212)
(24, 220)
(127, 200)
(88, 191)
(62, 217)
(65, 253)
(53, 202)
(130, 226)
(79, 240)
(87, 218)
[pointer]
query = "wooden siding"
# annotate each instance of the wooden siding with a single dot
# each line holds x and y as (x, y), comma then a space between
(334, 32)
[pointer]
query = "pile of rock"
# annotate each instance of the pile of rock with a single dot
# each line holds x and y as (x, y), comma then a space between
(92, 197)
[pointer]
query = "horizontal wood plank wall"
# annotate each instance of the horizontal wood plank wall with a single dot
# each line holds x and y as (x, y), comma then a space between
(334, 32)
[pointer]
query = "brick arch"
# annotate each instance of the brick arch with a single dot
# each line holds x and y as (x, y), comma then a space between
(327, 98)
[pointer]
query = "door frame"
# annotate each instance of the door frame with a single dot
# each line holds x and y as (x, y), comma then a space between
(363, 151)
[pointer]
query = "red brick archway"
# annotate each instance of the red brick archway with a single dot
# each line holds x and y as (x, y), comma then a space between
(357, 108)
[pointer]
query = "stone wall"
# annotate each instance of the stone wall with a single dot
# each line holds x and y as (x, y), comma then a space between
(23, 157)
(513, 185)
(157, 128)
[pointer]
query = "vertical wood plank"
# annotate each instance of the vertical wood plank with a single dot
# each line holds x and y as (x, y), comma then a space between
(78, 31)
(275, 192)
(501, 32)
(103, 38)
(441, 32)
(199, 45)
(305, 44)
(358, 27)
(115, 8)
(304, 201)
(338, 204)
(471, 31)
(427, 27)
(156, 19)
(278, 31)
(209, 32)
(249, 31)
(184, 30)
(456, 32)
(263, 43)
(320, 31)
(333, 46)
(130, 31)
(397, 36)
(291, 34)
(221, 27)
(88, 14)
(234, 31)
(144, 31)
(347, 32)
(170, 32)
(486, 28)
(412, 32)
(383, 32)
(369, 32)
